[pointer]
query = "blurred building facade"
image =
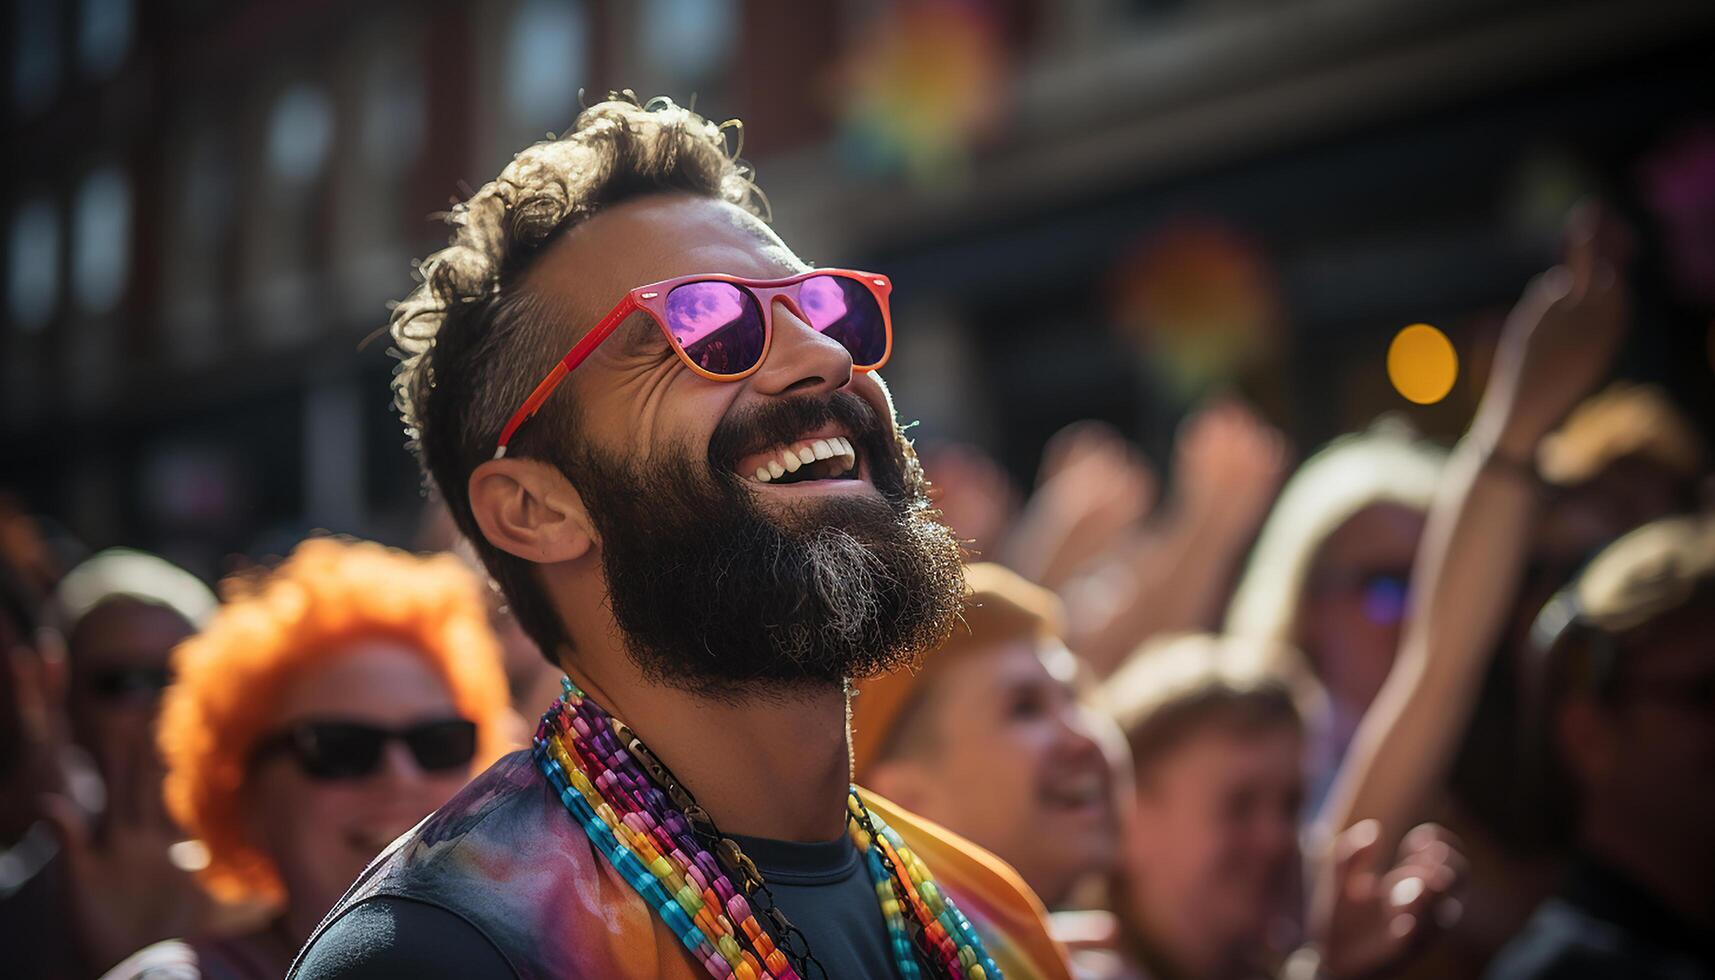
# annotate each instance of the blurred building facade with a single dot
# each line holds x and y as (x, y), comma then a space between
(1091, 208)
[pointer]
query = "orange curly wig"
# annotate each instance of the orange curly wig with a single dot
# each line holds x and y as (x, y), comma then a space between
(276, 625)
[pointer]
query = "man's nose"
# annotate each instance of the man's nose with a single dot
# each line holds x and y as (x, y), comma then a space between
(801, 359)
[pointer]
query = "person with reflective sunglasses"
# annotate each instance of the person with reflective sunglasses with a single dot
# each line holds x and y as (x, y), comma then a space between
(1327, 583)
(1442, 737)
(330, 704)
(666, 436)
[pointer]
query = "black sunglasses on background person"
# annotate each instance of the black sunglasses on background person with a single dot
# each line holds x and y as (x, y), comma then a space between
(129, 683)
(332, 749)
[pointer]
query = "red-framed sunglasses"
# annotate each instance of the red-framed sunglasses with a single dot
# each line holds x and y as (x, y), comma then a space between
(721, 326)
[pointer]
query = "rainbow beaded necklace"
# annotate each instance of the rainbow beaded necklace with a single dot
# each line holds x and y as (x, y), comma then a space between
(701, 883)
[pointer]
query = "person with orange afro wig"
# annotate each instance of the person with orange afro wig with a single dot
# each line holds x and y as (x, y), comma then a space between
(329, 706)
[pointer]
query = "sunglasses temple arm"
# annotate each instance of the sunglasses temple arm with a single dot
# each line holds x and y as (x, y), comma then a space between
(579, 352)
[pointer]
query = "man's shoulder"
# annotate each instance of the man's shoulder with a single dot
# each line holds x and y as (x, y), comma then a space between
(1007, 914)
(508, 783)
(460, 863)
(506, 802)
(397, 937)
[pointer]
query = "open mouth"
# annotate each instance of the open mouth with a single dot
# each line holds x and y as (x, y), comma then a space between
(1087, 791)
(823, 458)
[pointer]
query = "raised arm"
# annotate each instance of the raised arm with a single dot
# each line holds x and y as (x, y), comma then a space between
(1095, 489)
(1172, 576)
(1556, 346)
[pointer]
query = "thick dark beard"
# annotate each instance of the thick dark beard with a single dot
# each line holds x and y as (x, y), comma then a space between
(716, 597)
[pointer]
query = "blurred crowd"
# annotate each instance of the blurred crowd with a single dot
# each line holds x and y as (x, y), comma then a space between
(1199, 716)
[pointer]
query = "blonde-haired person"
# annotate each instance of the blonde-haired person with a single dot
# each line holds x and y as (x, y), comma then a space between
(1209, 885)
(330, 704)
(1327, 584)
(1490, 523)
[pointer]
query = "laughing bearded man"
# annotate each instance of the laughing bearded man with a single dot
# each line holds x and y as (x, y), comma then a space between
(661, 429)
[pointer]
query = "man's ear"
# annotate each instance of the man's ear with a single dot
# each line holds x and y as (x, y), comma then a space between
(529, 509)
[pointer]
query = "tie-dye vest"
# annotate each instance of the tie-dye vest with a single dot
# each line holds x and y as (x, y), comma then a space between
(506, 857)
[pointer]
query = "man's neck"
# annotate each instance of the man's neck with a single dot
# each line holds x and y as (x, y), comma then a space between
(763, 767)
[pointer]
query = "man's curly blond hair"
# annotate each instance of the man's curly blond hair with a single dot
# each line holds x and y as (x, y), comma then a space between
(472, 342)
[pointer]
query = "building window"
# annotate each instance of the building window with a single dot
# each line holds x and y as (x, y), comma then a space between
(198, 225)
(104, 36)
(688, 42)
(546, 58)
(369, 262)
(300, 132)
(101, 241)
(282, 240)
(33, 264)
(36, 59)
(393, 113)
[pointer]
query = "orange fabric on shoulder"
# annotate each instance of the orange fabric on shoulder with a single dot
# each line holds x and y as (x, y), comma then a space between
(1001, 606)
(1006, 913)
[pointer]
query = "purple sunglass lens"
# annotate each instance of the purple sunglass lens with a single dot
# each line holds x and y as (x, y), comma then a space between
(1384, 599)
(718, 326)
(845, 309)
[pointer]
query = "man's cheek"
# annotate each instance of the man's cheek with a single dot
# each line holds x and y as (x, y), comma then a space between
(873, 387)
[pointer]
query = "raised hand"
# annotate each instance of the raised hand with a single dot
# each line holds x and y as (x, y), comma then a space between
(1228, 464)
(1560, 339)
(1379, 920)
(1093, 488)
(126, 890)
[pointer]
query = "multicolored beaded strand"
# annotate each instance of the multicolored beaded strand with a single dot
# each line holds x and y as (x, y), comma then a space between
(654, 851)
(644, 827)
(942, 932)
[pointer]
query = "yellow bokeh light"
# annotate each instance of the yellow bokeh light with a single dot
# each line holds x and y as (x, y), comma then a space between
(1421, 364)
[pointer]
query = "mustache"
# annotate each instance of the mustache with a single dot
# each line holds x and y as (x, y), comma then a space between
(780, 421)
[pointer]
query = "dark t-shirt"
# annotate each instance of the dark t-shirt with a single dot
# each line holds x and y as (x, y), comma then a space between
(1602, 924)
(823, 888)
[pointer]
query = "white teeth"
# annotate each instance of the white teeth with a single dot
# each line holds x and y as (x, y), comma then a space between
(792, 459)
(843, 449)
